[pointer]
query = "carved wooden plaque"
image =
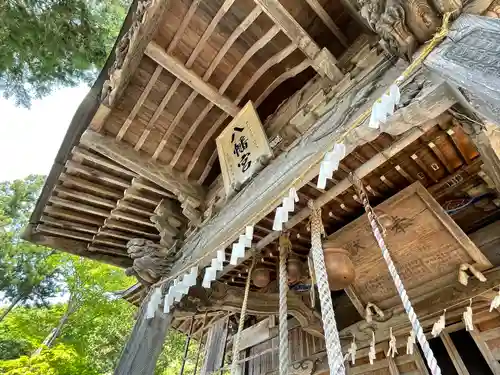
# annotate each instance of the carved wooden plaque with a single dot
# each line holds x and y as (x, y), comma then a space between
(426, 246)
(243, 149)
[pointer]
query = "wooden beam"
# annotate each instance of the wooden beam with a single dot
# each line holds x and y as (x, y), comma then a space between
(144, 184)
(144, 345)
(452, 351)
(429, 306)
(120, 215)
(75, 206)
(474, 71)
(136, 161)
(190, 78)
(264, 193)
(78, 248)
(327, 20)
(69, 225)
(321, 60)
(124, 226)
(95, 173)
(339, 188)
(89, 186)
(87, 155)
(141, 33)
(252, 16)
(137, 106)
(64, 192)
(73, 215)
(64, 232)
(299, 68)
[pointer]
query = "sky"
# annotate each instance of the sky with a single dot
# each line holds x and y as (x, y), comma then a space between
(30, 138)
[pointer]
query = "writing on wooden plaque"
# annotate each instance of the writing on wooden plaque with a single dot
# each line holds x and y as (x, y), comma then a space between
(243, 149)
(426, 245)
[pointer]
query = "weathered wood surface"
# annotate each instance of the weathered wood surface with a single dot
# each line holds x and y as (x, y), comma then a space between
(426, 245)
(226, 298)
(470, 59)
(131, 47)
(190, 78)
(139, 163)
(429, 308)
(78, 248)
(144, 345)
(265, 191)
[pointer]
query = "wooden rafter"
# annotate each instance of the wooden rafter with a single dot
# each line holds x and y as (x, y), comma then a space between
(276, 59)
(325, 17)
(266, 66)
(282, 78)
(190, 78)
(139, 163)
(99, 160)
(65, 224)
(72, 205)
(141, 36)
(73, 215)
(278, 81)
(229, 42)
(89, 186)
(153, 80)
(324, 65)
(198, 48)
(73, 166)
(80, 248)
(137, 106)
(64, 192)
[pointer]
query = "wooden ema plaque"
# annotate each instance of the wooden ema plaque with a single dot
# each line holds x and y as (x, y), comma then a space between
(426, 246)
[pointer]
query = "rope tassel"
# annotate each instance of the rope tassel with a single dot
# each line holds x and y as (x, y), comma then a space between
(333, 348)
(415, 323)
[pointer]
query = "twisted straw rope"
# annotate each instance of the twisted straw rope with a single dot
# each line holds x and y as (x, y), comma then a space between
(415, 323)
(333, 348)
(284, 361)
(236, 346)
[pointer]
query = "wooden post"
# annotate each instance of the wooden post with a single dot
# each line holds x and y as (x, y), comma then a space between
(186, 346)
(144, 345)
(468, 58)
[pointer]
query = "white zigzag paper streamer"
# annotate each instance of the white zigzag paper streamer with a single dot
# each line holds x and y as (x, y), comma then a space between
(153, 303)
(288, 205)
(180, 288)
(238, 251)
(384, 106)
(330, 164)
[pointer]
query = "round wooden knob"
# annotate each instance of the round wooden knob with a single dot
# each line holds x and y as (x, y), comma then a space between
(339, 267)
(261, 277)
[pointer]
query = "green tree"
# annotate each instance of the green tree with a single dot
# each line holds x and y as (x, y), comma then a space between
(28, 273)
(51, 43)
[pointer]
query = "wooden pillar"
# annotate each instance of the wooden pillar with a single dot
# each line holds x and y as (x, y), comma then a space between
(469, 59)
(144, 345)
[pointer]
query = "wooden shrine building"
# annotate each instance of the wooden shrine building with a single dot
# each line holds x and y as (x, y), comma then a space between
(193, 164)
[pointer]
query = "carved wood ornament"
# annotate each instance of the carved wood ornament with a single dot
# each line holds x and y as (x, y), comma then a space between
(403, 25)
